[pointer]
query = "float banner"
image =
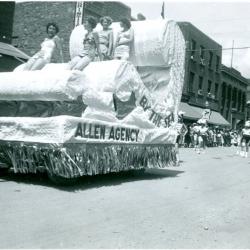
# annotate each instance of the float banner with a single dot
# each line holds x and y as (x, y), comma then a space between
(68, 129)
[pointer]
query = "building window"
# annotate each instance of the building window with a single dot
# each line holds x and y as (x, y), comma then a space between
(234, 98)
(202, 52)
(209, 86)
(210, 61)
(229, 96)
(216, 89)
(239, 101)
(193, 48)
(217, 63)
(223, 96)
(191, 82)
(243, 106)
(200, 85)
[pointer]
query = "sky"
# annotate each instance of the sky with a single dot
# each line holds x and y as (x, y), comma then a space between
(228, 23)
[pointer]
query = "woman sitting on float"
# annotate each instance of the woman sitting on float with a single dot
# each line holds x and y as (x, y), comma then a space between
(106, 38)
(90, 46)
(44, 55)
(124, 40)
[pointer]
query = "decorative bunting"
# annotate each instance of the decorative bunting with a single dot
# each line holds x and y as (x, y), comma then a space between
(74, 160)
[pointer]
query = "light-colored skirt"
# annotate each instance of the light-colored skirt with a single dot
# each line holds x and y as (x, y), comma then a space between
(122, 52)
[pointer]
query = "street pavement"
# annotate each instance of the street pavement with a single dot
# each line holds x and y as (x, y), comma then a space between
(203, 203)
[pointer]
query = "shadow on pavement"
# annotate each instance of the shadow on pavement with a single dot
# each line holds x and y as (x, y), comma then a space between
(88, 182)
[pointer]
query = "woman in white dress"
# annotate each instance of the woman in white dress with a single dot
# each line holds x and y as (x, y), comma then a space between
(124, 40)
(44, 55)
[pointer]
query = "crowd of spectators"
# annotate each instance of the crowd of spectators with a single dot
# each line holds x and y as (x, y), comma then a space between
(215, 136)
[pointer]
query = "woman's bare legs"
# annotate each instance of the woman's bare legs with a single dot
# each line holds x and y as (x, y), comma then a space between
(28, 64)
(82, 63)
(38, 64)
(73, 62)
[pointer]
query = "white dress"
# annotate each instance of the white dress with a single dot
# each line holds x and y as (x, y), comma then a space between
(122, 51)
(45, 53)
(47, 48)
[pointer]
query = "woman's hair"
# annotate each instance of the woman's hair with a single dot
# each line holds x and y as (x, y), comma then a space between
(106, 18)
(126, 22)
(92, 21)
(54, 25)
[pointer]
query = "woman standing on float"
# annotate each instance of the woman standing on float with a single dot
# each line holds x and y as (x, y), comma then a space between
(124, 40)
(106, 38)
(48, 46)
(90, 46)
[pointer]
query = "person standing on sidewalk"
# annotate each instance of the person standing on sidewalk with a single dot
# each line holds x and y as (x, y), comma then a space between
(202, 136)
(181, 130)
(196, 129)
(245, 139)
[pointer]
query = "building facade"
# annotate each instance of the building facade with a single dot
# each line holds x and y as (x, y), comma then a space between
(208, 83)
(202, 83)
(233, 96)
(203, 64)
(31, 18)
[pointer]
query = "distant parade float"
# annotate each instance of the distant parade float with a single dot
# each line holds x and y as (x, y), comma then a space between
(113, 116)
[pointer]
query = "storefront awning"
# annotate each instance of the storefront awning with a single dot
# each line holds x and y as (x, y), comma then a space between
(215, 118)
(195, 113)
(189, 112)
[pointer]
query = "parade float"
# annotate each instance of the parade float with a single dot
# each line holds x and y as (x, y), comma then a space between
(113, 116)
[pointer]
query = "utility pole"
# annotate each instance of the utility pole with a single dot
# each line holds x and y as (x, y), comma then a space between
(232, 55)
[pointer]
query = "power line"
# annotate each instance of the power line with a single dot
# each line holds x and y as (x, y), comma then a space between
(232, 54)
(232, 48)
(220, 20)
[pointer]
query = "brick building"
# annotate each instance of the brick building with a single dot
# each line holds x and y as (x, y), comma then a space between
(233, 96)
(202, 87)
(30, 19)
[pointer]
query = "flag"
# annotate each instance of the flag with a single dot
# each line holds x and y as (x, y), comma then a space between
(163, 10)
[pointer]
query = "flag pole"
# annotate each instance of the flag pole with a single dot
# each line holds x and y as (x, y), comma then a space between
(163, 10)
